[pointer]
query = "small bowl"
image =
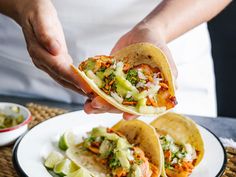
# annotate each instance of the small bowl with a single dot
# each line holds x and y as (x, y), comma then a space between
(9, 135)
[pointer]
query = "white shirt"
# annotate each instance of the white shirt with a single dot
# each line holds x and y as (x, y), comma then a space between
(93, 27)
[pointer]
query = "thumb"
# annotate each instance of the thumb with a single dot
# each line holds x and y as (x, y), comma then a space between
(121, 43)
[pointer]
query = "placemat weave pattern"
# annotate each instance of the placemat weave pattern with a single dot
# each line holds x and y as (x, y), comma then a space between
(39, 113)
(230, 170)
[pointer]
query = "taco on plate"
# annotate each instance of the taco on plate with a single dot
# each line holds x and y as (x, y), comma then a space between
(137, 79)
(181, 142)
(129, 149)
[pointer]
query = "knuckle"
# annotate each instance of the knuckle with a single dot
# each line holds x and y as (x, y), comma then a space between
(56, 68)
(31, 51)
(44, 36)
(36, 64)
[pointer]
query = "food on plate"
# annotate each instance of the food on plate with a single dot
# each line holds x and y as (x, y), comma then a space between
(10, 117)
(53, 158)
(66, 140)
(181, 142)
(59, 164)
(129, 149)
(136, 79)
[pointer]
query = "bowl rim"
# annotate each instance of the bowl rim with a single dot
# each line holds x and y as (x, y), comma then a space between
(26, 121)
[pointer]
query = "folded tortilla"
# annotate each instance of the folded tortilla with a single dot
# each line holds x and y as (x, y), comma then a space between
(137, 133)
(134, 55)
(183, 130)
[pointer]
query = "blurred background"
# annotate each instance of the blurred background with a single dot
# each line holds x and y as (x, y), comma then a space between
(223, 36)
(222, 30)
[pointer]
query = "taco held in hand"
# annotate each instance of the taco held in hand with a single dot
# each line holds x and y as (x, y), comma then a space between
(181, 142)
(136, 79)
(120, 151)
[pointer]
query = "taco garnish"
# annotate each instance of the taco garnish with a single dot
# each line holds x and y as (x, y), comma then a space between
(181, 142)
(114, 154)
(139, 86)
(179, 158)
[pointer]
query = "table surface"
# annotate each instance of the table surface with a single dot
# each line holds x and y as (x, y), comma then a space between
(220, 126)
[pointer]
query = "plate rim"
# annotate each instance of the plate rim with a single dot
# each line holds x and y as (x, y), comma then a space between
(22, 173)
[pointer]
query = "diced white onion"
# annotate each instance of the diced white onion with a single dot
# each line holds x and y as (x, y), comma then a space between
(173, 148)
(153, 90)
(179, 155)
(174, 161)
(155, 75)
(191, 153)
(157, 80)
(117, 97)
(120, 64)
(169, 138)
(129, 94)
(149, 84)
(188, 148)
(130, 155)
(140, 84)
(141, 75)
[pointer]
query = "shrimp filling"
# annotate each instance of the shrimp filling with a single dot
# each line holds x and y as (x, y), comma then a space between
(142, 86)
(122, 158)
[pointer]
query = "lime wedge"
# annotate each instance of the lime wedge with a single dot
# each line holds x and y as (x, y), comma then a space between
(82, 172)
(66, 140)
(52, 159)
(73, 167)
(62, 168)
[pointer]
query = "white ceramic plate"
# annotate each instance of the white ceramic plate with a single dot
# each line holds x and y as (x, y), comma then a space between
(39, 141)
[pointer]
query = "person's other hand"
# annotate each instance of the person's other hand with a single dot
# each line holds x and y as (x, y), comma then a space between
(140, 33)
(46, 43)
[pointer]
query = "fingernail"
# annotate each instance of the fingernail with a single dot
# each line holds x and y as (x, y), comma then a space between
(96, 104)
(129, 116)
(54, 47)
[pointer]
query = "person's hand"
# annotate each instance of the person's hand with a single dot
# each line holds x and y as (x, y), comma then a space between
(140, 33)
(46, 43)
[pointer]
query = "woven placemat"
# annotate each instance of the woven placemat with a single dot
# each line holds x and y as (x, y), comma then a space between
(41, 113)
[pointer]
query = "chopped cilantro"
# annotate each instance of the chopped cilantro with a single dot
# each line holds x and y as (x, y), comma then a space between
(89, 64)
(111, 76)
(114, 162)
(129, 99)
(139, 161)
(87, 141)
(168, 166)
(132, 76)
(102, 69)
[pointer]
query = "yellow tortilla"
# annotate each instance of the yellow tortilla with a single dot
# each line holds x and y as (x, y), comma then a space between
(137, 54)
(182, 129)
(86, 160)
(144, 136)
(136, 132)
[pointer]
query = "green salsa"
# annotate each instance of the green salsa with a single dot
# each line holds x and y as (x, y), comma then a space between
(10, 119)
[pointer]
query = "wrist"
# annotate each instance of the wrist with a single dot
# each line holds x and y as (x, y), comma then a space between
(9, 8)
(157, 29)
